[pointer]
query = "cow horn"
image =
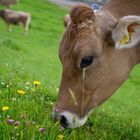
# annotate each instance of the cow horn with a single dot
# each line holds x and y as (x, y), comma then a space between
(80, 13)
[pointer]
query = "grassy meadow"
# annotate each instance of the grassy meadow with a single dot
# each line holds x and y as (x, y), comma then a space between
(30, 73)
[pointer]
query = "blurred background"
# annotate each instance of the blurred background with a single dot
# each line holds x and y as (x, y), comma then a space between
(70, 3)
(92, 1)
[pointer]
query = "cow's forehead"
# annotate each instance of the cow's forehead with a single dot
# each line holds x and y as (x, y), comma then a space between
(78, 33)
(84, 28)
(81, 47)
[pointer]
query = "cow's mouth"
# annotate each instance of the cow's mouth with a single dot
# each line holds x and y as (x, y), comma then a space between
(69, 120)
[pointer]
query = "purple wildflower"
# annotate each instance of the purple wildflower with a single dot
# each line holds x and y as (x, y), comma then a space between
(42, 130)
(17, 123)
(10, 121)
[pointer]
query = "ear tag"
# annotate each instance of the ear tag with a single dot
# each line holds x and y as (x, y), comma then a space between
(125, 39)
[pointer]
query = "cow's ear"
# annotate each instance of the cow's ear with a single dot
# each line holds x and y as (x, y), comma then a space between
(126, 33)
(80, 13)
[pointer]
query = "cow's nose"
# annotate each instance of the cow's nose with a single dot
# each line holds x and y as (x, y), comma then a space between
(63, 120)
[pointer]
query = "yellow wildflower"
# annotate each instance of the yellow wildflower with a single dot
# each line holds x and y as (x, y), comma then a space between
(37, 83)
(5, 108)
(21, 92)
(60, 137)
(16, 127)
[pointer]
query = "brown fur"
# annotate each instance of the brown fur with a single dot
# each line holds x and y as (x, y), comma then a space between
(81, 13)
(89, 34)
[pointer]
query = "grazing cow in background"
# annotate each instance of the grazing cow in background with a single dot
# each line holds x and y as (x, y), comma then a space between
(8, 3)
(16, 18)
(97, 52)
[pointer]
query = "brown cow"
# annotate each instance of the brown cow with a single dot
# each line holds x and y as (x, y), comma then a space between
(8, 3)
(97, 52)
(16, 17)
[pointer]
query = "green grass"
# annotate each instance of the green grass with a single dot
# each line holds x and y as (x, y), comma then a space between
(35, 57)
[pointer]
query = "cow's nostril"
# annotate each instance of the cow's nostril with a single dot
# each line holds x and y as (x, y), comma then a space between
(64, 121)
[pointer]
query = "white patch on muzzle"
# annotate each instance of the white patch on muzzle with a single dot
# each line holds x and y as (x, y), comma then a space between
(73, 120)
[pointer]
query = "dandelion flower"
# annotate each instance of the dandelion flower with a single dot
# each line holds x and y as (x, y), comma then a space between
(37, 83)
(5, 108)
(60, 137)
(21, 92)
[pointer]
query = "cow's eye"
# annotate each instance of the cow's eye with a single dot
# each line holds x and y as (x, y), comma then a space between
(86, 61)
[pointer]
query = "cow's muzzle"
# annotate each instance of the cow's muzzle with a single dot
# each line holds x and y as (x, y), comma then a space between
(61, 118)
(68, 119)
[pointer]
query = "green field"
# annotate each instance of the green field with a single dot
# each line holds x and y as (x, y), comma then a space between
(24, 59)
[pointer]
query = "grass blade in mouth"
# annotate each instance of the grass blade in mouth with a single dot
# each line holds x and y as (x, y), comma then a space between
(73, 97)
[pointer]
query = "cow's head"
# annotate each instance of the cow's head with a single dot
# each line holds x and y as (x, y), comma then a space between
(96, 60)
